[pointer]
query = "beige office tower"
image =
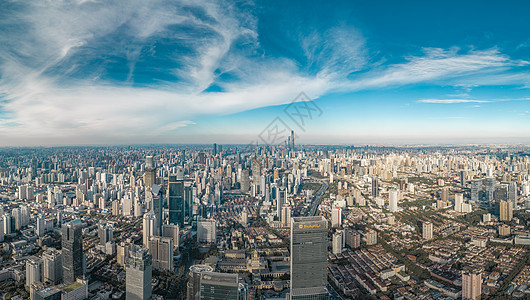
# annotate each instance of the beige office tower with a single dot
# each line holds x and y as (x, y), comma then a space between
(506, 211)
(427, 230)
(471, 285)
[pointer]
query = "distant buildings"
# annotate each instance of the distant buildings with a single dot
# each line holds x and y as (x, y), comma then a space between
(309, 244)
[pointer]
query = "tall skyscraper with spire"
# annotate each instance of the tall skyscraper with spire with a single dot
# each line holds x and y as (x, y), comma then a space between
(175, 198)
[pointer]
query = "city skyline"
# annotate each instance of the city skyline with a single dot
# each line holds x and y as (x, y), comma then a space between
(90, 73)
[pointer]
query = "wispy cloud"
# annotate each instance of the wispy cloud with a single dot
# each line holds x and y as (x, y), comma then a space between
(451, 101)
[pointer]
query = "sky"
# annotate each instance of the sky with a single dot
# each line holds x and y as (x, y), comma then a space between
(336, 72)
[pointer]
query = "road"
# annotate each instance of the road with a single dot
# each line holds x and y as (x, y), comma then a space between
(318, 195)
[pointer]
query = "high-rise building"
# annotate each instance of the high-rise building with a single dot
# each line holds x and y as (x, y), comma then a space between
(155, 197)
(393, 200)
(122, 251)
(138, 274)
(371, 238)
(337, 242)
(194, 281)
(336, 217)
(214, 285)
(149, 174)
(149, 228)
(175, 198)
(286, 215)
(161, 249)
(501, 193)
(490, 184)
(505, 211)
(281, 199)
(427, 230)
(53, 266)
(476, 189)
(353, 238)
(34, 271)
(459, 202)
(444, 194)
(512, 193)
(375, 187)
(40, 228)
(309, 247)
(244, 181)
(72, 251)
(471, 285)
(206, 231)
(105, 233)
(173, 232)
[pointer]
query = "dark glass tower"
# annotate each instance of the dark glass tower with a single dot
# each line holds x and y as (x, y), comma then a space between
(175, 198)
(309, 249)
(72, 244)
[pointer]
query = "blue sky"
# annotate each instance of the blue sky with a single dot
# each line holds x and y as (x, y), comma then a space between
(381, 72)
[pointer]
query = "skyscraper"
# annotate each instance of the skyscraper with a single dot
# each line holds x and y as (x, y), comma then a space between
(244, 181)
(459, 201)
(105, 233)
(476, 189)
(512, 193)
(427, 230)
(34, 271)
(281, 199)
(138, 274)
(194, 281)
(149, 228)
(375, 187)
(206, 231)
(161, 249)
(53, 266)
(72, 250)
(505, 211)
(393, 201)
(175, 198)
(353, 238)
(490, 184)
(336, 217)
(371, 237)
(173, 232)
(309, 247)
(471, 285)
(149, 174)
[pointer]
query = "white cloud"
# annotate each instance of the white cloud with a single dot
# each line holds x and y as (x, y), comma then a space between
(451, 101)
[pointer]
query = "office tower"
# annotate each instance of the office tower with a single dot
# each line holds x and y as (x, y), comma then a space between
(444, 194)
(156, 203)
(47, 293)
(105, 233)
(353, 239)
(490, 184)
(476, 189)
(34, 271)
(150, 173)
(17, 216)
(512, 193)
(173, 232)
(122, 251)
(194, 281)
(375, 187)
(138, 274)
(149, 228)
(7, 224)
(292, 140)
(175, 198)
(393, 200)
(459, 202)
(60, 218)
(371, 238)
(53, 266)
(244, 181)
(337, 242)
(206, 231)
(40, 227)
(161, 249)
(286, 215)
(72, 250)
(501, 193)
(505, 211)
(336, 217)
(486, 218)
(309, 247)
(214, 285)
(471, 285)
(244, 217)
(281, 199)
(256, 171)
(214, 150)
(427, 230)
